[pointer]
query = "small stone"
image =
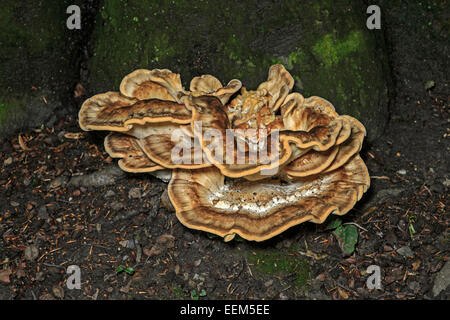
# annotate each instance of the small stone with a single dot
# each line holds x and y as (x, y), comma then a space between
(402, 171)
(198, 277)
(442, 279)
(130, 244)
(58, 291)
(389, 193)
(165, 202)
(40, 276)
(107, 176)
(14, 203)
(414, 286)
(31, 252)
(446, 182)
(134, 193)
(197, 262)
(283, 296)
(405, 252)
(42, 213)
(116, 205)
(127, 244)
(268, 283)
(109, 194)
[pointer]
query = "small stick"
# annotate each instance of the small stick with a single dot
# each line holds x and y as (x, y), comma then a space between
(355, 224)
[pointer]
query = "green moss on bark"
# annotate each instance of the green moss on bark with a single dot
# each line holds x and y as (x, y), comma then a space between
(325, 45)
(35, 61)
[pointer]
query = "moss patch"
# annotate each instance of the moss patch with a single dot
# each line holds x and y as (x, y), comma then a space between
(38, 56)
(11, 109)
(330, 50)
(277, 263)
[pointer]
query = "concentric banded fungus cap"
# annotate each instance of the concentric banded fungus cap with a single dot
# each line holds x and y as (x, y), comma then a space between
(115, 112)
(278, 84)
(205, 200)
(351, 146)
(313, 162)
(251, 151)
(144, 84)
(210, 125)
(312, 122)
(211, 86)
(133, 159)
(173, 146)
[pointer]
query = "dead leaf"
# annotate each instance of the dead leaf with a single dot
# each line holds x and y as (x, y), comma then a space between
(126, 288)
(74, 135)
(368, 211)
(380, 177)
(154, 251)
(313, 255)
(20, 274)
(4, 275)
(94, 297)
(166, 239)
(137, 276)
(416, 265)
(23, 145)
(342, 293)
(79, 91)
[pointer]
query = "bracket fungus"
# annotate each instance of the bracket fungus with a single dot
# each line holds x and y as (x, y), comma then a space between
(244, 162)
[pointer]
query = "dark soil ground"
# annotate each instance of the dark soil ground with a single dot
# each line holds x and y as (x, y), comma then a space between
(54, 213)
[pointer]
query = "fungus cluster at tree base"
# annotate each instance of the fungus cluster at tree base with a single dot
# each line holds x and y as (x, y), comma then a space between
(244, 162)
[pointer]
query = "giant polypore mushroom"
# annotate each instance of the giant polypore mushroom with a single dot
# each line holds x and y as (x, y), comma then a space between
(205, 200)
(255, 165)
